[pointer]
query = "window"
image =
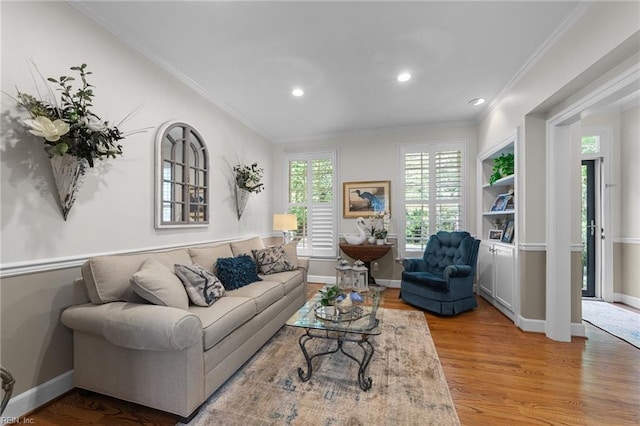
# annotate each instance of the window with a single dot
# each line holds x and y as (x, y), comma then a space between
(182, 176)
(311, 189)
(432, 177)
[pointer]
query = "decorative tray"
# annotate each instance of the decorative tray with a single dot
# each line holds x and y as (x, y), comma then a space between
(331, 313)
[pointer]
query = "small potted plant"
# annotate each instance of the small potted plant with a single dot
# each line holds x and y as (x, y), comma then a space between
(329, 295)
(380, 235)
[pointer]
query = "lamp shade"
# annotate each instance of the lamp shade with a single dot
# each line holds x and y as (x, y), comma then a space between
(285, 222)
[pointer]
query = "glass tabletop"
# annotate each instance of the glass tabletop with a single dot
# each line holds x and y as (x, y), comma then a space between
(362, 318)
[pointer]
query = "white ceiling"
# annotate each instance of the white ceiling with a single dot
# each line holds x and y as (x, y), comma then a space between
(247, 56)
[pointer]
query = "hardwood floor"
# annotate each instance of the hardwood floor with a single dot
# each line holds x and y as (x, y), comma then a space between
(497, 375)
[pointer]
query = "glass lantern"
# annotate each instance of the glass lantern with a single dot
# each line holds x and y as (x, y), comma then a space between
(343, 274)
(360, 277)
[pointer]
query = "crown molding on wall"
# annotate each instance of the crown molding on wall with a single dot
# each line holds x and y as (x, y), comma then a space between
(562, 29)
(125, 37)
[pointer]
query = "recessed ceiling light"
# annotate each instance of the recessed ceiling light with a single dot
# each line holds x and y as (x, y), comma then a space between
(297, 92)
(477, 101)
(405, 76)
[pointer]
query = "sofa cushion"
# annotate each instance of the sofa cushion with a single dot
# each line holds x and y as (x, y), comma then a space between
(263, 293)
(107, 278)
(236, 272)
(291, 248)
(224, 316)
(247, 246)
(208, 256)
(272, 260)
(203, 288)
(288, 279)
(159, 285)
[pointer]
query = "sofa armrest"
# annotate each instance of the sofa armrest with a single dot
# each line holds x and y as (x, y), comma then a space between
(456, 271)
(414, 265)
(137, 326)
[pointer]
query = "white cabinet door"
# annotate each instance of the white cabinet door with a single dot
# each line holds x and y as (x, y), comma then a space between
(485, 268)
(504, 275)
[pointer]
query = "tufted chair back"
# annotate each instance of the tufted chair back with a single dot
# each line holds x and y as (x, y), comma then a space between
(448, 248)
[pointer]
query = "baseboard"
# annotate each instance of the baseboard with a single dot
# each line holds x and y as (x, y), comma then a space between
(632, 301)
(323, 279)
(538, 326)
(28, 401)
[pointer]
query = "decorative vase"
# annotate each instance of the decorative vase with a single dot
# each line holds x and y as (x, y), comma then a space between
(372, 240)
(69, 173)
(242, 197)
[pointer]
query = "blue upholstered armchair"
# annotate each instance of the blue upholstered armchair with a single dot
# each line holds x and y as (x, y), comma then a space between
(442, 281)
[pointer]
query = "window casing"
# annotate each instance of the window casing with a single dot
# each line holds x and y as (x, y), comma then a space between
(182, 176)
(433, 196)
(311, 196)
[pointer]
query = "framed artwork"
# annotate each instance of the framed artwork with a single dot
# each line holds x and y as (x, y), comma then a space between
(500, 204)
(507, 235)
(495, 234)
(365, 198)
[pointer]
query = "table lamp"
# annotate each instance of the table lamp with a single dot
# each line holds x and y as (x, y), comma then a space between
(285, 223)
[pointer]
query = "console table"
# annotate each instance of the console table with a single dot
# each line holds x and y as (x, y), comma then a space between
(366, 253)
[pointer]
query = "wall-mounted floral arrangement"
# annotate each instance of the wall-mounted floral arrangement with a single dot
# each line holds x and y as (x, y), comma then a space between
(248, 180)
(74, 136)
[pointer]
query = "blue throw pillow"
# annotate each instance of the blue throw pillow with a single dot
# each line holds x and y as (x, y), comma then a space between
(236, 272)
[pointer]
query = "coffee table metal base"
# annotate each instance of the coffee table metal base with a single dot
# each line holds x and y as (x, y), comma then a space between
(340, 338)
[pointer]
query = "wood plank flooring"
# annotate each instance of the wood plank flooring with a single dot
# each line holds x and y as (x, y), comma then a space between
(497, 375)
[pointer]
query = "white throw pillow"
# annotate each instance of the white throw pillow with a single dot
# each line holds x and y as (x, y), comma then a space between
(159, 285)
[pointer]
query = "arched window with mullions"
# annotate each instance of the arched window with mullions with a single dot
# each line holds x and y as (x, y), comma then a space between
(182, 176)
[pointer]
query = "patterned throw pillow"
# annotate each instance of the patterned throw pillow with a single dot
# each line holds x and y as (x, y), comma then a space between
(272, 260)
(236, 272)
(203, 288)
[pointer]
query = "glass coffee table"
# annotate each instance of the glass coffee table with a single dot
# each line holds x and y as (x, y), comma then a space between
(356, 326)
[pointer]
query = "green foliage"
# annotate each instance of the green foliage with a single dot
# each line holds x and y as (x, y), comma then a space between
(329, 295)
(502, 166)
(380, 234)
(249, 177)
(88, 137)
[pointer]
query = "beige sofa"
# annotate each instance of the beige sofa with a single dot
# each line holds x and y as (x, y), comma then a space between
(168, 358)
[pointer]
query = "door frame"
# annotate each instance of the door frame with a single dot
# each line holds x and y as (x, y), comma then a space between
(558, 304)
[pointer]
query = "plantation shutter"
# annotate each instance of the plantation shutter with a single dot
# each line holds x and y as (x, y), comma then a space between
(312, 199)
(433, 182)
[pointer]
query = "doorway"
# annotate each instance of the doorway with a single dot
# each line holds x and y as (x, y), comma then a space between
(590, 228)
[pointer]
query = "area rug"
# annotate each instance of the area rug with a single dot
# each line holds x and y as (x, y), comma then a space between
(409, 387)
(620, 322)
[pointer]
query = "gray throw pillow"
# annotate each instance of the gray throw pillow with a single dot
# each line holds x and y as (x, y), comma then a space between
(203, 288)
(272, 260)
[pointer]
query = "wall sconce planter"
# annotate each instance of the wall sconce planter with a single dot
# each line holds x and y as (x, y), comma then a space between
(247, 181)
(242, 198)
(69, 174)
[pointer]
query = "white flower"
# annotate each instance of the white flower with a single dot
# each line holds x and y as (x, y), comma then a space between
(94, 124)
(43, 127)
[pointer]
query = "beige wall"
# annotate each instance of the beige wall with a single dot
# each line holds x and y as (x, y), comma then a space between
(580, 52)
(116, 204)
(533, 266)
(374, 155)
(36, 347)
(114, 211)
(627, 248)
